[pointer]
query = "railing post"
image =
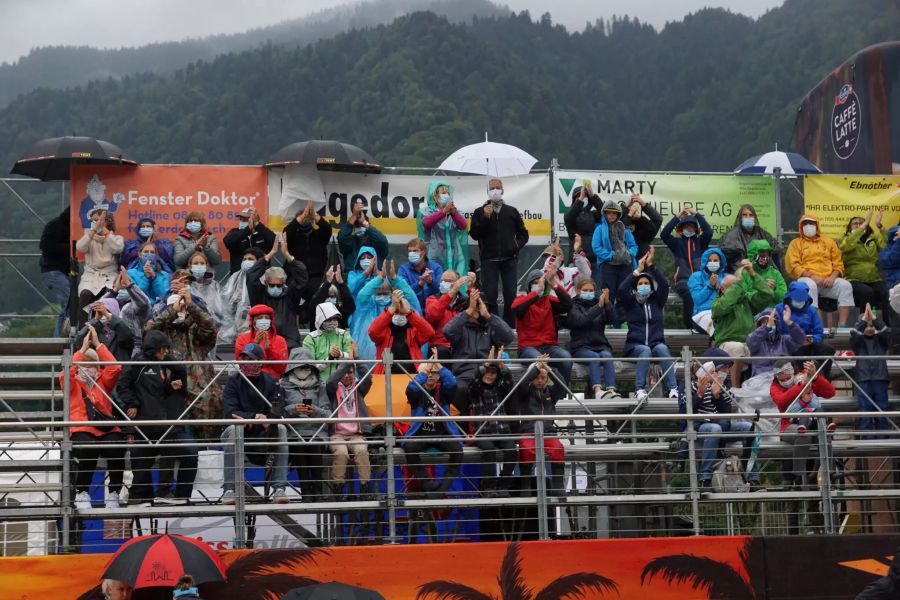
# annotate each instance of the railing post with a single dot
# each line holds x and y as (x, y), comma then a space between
(387, 358)
(65, 494)
(825, 480)
(240, 525)
(692, 441)
(540, 471)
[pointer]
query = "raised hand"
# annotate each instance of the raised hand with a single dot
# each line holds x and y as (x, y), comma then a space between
(746, 264)
(771, 320)
(488, 209)
(334, 352)
(879, 216)
(649, 256)
(714, 280)
(339, 274)
(124, 278)
(472, 278)
(786, 315)
(810, 368)
(604, 297)
(354, 350)
(372, 268)
(483, 310)
(329, 274)
(148, 270)
(393, 271)
(576, 245)
(357, 213)
(185, 294)
(868, 316)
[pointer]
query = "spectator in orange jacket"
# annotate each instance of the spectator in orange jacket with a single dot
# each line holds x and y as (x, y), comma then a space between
(536, 313)
(403, 330)
(262, 331)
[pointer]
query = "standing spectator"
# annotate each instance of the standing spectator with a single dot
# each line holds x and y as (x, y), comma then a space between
(694, 236)
(148, 273)
(643, 221)
(89, 400)
(235, 298)
(421, 273)
(100, 245)
(249, 233)
(732, 313)
(588, 317)
(759, 252)
(334, 291)
(500, 232)
(537, 395)
(443, 307)
(403, 331)
(281, 289)
(308, 236)
(615, 249)
(860, 248)
(582, 219)
(328, 342)
(146, 232)
(264, 333)
(807, 317)
(871, 337)
(112, 331)
(348, 401)
(567, 274)
(491, 385)
(195, 237)
(56, 262)
(815, 260)
(443, 228)
(536, 313)
(205, 286)
(767, 339)
(704, 285)
(134, 307)
(157, 392)
(642, 297)
(736, 241)
(372, 300)
(357, 232)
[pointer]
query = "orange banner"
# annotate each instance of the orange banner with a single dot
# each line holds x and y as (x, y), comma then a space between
(166, 194)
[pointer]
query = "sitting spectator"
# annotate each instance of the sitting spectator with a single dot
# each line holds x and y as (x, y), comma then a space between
(186, 589)
(694, 236)
(305, 398)
(249, 233)
(89, 400)
(429, 395)
(643, 221)
(537, 394)
(281, 289)
(356, 233)
(711, 394)
(195, 237)
(263, 333)
(567, 274)
(334, 291)
(642, 297)
(589, 316)
(328, 342)
(157, 392)
(860, 248)
(492, 384)
(736, 241)
(535, 314)
(56, 251)
(871, 337)
(421, 273)
(443, 307)
(365, 268)
(307, 238)
(807, 317)
(403, 331)
(759, 252)
(795, 394)
(148, 273)
(768, 340)
(348, 401)
(205, 286)
(100, 245)
(134, 307)
(146, 232)
(704, 285)
(815, 260)
(372, 300)
(254, 394)
(113, 589)
(113, 332)
(582, 219)
(236, 299)
(615, 249)
(443, 228)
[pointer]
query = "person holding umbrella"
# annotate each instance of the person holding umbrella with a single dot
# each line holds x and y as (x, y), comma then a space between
(443, 228)
(195, 237)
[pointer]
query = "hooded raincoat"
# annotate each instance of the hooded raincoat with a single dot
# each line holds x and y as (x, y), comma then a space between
(303, 385)
(736, 241)
(819, 254)
(319, 341)
(274, 346)
(446, 236)
(770, 271)
(698, 282)
(859, 250)
(367, 310)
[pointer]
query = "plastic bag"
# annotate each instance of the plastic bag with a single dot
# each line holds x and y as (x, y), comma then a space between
(235, 304)
(754, 396)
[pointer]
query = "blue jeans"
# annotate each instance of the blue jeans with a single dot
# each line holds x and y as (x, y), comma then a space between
(596, 369)
(711, 445)
(505, 271)
(878, 392)
(279, 477)
(563, 369)
(641, 368)
(60, 286)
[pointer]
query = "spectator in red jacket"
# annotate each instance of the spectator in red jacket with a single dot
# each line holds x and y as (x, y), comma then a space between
(403, 330)
(262, 331)
(442, 307)
(535, 314)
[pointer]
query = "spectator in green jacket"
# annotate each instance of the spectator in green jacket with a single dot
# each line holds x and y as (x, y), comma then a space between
(860, 246)
(732, 315)
(761, 255)
(328, 342)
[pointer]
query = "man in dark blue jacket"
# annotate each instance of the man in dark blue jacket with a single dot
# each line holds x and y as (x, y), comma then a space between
(694, 236)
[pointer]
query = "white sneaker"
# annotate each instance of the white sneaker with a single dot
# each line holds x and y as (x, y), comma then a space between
(112, 500)
(280, 497)
(82, 501)
(673, 394)
(642, 396)
(228, 497)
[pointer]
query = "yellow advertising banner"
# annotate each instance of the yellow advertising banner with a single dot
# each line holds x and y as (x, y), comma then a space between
(835, 199)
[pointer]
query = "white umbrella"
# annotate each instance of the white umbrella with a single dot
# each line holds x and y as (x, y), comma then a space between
(300, 184)
(790, 163)
(489, 158)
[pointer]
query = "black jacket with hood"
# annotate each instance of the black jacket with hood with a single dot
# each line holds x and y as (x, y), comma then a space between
(887, 587)
(287, 306)
(581, 218)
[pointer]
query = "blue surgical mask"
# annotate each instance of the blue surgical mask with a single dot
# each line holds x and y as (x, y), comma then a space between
(122, 295)
(587, 295)
(797, 305)
(713, 267)
(445, 286)
(275, 291)
(331, 300)
(643, 289)
(748, 222)
(535, 287)
(198, 270)
(414, 257)
(688, 233)
(359, 231)
(263, 324)
(148, 256)
(364, 263)
(444, 199)
(246, 265)
(383, 300)
(193, 226)
(243, 224)
(145, 232)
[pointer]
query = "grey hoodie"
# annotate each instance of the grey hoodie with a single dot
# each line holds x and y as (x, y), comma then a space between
(311, 389)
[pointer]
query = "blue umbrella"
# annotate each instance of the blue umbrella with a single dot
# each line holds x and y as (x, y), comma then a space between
(790, 163)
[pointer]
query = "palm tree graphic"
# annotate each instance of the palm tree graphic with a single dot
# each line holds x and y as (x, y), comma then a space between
(513, 585)
(718, 580)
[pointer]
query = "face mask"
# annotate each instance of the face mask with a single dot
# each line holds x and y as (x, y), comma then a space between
(331, 300)
(773, 330)
(304, 227)
(329, 325)
(445, 286)
(786, 383)
(495, 195)
(688, 233)
(712, 267)
(145, 232)
(263, 324)
(103, 320)
(148, 256)
(444, 199)
(382, 300)
(762, 260)
(414, 257)
(247, 264)
(535, 287)
(88, 375)
(797, 305)
(198, 270)
(243, 224)
(250, 370)
(643, 289)
(193, 226)
(359, 231)
(748, 222)
(95, 225)
(399, 320)
(275, 291)
(122, 295)
(364, 263)
(809, 230)
(588, 295)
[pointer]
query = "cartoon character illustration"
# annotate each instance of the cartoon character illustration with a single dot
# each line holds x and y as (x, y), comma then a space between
(96, 197)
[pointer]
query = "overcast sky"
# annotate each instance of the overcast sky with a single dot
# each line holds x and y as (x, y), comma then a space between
(29, 23)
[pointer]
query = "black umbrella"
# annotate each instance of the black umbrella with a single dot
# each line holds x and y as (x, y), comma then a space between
(327, 155)
(50, 159)
(333, 590)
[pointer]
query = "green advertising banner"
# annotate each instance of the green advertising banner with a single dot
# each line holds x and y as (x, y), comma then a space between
(716, 197)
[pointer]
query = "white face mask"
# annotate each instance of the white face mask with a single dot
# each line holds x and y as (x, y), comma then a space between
(263, 324)
(712, 266)
(809, 230)
(495, 194)
(399, 320)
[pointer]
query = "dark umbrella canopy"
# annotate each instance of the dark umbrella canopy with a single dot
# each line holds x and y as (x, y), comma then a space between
(50, 159)
(159, 560)
(333, 590)
(327, 155)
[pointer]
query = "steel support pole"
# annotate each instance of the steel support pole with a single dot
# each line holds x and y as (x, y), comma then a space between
(692, 441)
(65, 496)
(387, 358)
(540, 471)
(240, 525)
